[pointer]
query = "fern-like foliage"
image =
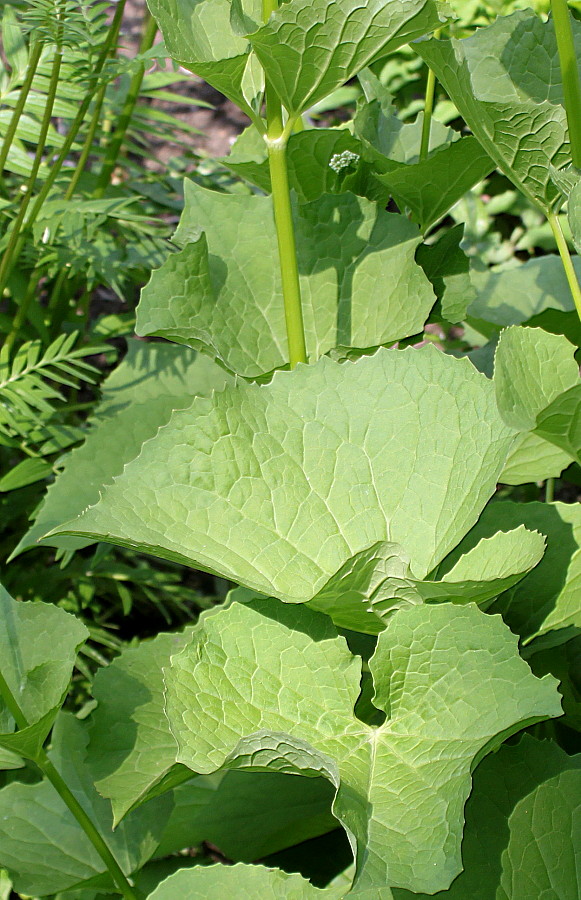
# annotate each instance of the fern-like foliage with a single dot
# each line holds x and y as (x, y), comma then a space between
(31, 386)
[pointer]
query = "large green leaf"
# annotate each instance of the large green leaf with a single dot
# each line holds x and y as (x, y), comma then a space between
(431, 187)
(266, 685)
(361, 286)
(533, 459)
(138, 397)
(198, 36)
(244, 882)
(42, 845)
(522, 827)
(131, 749)
(548, 601)
(506, 82)
(560, 422)
(531, 369)
(38, 648)
(248, 815)
(513, 295)
(278, 486)
(319, 160)
(311, 47)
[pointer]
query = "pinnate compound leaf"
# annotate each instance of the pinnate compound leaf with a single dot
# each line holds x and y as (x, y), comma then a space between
(138, 397)
(278, 486)
(311, 47)
(361, 286)
(522, 827)
(38, 647)
(548, 601)
(263, 684)
(506, 82)
(42, 845)
(244, 882)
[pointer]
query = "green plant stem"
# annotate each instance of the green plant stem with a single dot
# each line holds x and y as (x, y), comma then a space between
(566, 260)
(124, 120)
(276, 141)
(22, 311)
(88, 145)
(8, 258)
(18, 235)
(569, 75)
(53, 775)
(428, 110)
(549, 490)
(19, 108)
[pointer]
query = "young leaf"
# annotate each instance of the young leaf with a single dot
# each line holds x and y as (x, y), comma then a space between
(506, 82)
(309, 48)
(38, 647)
(533, 459)
(520, 836)
(264, 684)
(361, 286)
(243, 882)
(138, 397)
(42, 845)
(277, 486)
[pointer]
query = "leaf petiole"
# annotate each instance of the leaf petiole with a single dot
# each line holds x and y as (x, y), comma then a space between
(569, 75)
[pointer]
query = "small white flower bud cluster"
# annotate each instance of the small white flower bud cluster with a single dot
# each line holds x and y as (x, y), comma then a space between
(342, 160)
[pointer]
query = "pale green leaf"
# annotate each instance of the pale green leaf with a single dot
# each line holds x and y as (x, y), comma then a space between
(361, 286)
(505, 81)
(244, 882)
(488, 569)
(278, 486)
(533, 459)
(42, 845)
(531, 369)
(309, 47)
(522, 806)
(546, 602)
(38, 647)
(264, 684)
(26, 472)
(138, 397)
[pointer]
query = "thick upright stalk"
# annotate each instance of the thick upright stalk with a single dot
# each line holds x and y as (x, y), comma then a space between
(8, 259)
(31, 68)
(569, 75)
(18, 236)
(566, 260)
(124, 120)
(51, 773)
(276, 141)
